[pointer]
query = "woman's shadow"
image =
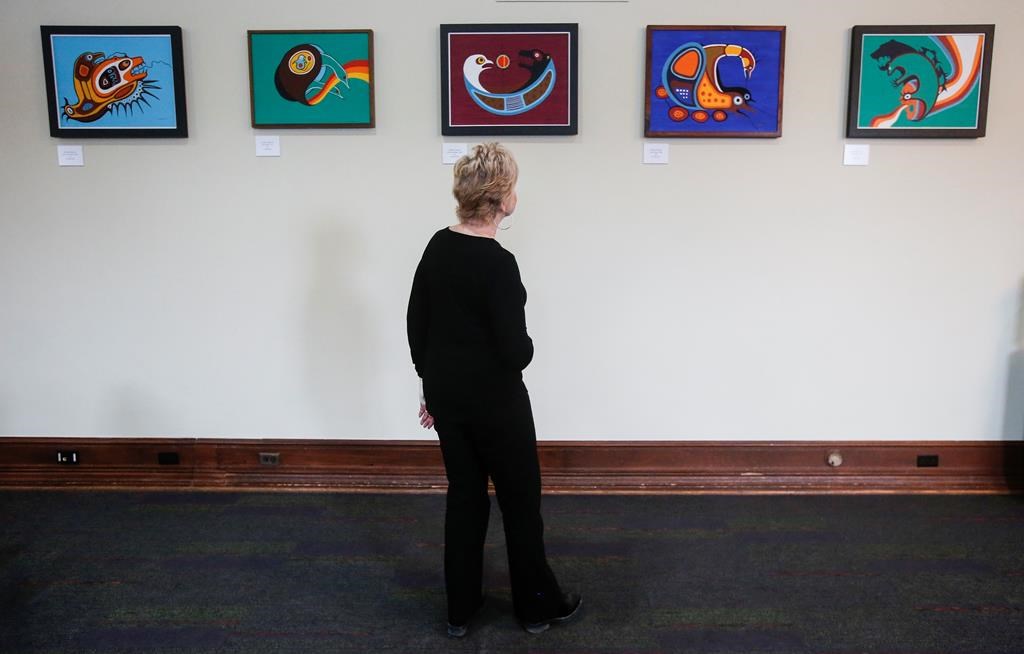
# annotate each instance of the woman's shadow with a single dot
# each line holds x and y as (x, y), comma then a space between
(338, 340)
(1013, 417)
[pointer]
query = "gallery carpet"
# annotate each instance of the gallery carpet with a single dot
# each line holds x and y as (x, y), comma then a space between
(305, 572)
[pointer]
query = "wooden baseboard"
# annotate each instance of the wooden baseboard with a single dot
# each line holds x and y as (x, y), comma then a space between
(786, 467)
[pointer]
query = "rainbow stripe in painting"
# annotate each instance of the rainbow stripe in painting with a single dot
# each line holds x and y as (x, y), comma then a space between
(358, 69)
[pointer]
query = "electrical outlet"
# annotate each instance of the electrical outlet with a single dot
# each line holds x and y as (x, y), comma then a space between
(270, 458)
(927, 460)
(168, 458)
(67, 458)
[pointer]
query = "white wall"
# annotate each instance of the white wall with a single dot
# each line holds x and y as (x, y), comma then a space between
(752, 289)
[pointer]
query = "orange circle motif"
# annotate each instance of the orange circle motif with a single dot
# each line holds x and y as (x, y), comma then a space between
(661, 92)
(719, 116)
(302, 62)
(700, 116)
(503, 61)
(677, 114)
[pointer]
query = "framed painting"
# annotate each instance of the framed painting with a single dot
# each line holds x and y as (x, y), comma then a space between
(499, 79)
(714, 81)
(114, 81)
(919, 81)
(311, 78)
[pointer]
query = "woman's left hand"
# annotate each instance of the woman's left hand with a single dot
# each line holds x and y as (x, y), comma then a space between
(426, 420)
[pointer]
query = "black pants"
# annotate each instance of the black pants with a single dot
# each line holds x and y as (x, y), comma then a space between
(498, 441)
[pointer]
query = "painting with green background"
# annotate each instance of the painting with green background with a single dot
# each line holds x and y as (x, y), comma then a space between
(906, 81)
(311, 78)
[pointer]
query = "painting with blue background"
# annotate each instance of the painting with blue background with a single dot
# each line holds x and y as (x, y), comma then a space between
(155, 50)
(763, 84)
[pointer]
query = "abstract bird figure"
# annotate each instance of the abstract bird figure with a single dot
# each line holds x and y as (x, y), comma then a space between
(690, 82)
(534, 91)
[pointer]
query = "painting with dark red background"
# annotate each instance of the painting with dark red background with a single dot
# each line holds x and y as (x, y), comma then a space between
(464, 112)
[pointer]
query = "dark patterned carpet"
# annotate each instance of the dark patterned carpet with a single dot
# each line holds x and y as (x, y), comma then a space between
(265, 572)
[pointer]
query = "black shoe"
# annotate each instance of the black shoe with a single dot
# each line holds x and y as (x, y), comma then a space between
(573, 601)
(460, 630)
(457, 631)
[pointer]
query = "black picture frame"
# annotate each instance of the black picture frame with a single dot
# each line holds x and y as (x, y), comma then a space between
(568, 127)
(144, 93)
(855, 125)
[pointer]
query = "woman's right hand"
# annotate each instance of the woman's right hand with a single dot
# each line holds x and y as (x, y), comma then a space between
(426, 420)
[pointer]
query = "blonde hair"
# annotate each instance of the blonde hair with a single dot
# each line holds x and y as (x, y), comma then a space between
(483, 179)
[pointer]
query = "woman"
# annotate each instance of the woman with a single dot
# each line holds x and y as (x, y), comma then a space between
(467, 334)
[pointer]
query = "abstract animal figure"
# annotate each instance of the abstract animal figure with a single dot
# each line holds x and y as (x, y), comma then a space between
(690, 82)
(308, 75)
(104, 84)
(534, 91)
(924, 86)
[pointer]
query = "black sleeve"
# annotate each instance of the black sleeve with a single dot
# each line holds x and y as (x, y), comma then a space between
(507, 308)
(417, 318)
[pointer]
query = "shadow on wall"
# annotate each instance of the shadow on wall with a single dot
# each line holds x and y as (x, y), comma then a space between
(1013, 422)
(1013, 419)
(337, 333)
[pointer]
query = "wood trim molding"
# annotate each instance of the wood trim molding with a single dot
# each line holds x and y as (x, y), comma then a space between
(651, 467)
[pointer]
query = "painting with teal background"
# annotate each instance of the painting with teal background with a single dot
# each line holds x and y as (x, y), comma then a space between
(114, 81)
(714, 81)
(912, 81)
(311, 78)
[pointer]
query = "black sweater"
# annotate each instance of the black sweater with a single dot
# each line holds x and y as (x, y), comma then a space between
(467, 322)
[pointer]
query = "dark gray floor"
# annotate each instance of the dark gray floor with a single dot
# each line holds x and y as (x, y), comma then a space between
(233, 572)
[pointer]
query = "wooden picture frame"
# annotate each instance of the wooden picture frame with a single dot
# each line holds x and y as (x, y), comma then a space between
(714, 81)
(311, 78)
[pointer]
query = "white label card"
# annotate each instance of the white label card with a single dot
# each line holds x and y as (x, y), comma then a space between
(268, 146)
(452, 152)
(655, 153)
(70, 155)
(856, 155)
